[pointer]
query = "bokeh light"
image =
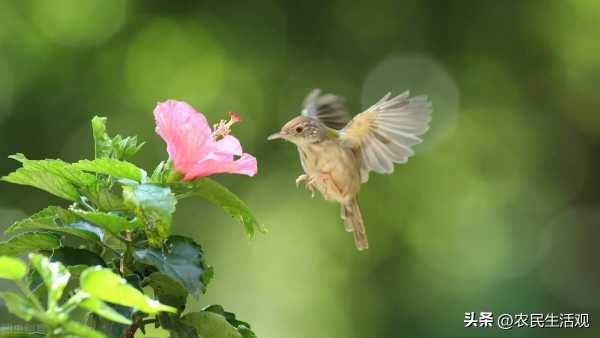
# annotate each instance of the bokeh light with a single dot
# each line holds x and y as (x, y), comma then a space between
(76, 23)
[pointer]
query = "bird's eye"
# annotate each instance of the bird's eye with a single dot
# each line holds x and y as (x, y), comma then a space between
(299, 129)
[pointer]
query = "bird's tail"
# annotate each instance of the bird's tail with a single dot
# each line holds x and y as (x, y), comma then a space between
(353, 222)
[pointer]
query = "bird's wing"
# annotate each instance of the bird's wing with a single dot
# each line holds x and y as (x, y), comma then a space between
(327, 108)
(383, 134)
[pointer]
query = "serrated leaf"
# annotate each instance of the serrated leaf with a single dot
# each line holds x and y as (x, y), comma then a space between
(58, 168)
(54, 275)
(81, 330)
(181, 259)
(57, 219)
(27, 242)
(112, 167)
(56, 185)
(210, 325)
(12, 268)
(108, 221)
(108, 286)
(102, 143)
(102, 309)
(102, 197)
(243, 327)
(219, 195)
(154, 205)
(177, 328)
(107, 147)
(18, 305)
(168, 290)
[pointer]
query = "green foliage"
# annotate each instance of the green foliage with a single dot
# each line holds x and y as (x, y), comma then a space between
(100, 308)
(219, 195)
(12, 268)
(181, 259)
(211, 325)
(106, 285)
(54, 275)
(242, 327)
(27, 242)
(18, 305)
(154, 205)
(214, 322)
(58, 220)
(109, 221)
(56, 185)
(117, 147)
(102, 253)
(112, 167)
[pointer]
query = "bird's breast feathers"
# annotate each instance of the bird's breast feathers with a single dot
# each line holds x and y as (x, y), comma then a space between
(330, 157)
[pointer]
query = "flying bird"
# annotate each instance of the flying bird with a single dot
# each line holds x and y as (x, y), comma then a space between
(337, 154)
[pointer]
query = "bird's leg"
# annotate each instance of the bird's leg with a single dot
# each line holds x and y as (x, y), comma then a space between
(322, 178)
(309, 183)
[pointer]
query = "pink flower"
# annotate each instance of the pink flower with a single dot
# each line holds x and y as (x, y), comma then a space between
(194, 148)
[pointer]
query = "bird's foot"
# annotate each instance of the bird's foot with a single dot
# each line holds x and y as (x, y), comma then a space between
(309, 183)
(301, 178)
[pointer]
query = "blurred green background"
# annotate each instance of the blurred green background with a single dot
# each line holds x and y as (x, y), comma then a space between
(498, 211)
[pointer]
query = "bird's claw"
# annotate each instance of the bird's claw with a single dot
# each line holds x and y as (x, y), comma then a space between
(301, 178)
(309, 183)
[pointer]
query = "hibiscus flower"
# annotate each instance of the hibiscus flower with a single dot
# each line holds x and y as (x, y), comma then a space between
(195, 149)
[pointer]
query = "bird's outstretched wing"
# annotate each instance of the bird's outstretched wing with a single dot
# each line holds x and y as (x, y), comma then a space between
(383, 134)
(328, 108)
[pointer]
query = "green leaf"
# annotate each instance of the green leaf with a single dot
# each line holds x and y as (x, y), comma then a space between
(102, 143)
(54, 275)
(18, 305)
(211, 325)
(102, 197)
(28, 242)
(176, 328)
(168, 290)
(154, 205)
(125, 147)
(81, 330)
(12, 268)
(181, 259)
(102, 309)
(108, 286)
(58, 168)
(112, 167)
(57, 219)
(219, 195)
(108, 221)
(242, 327)
(109, 327)
(74, 256)
(48, 182)
(117, 147)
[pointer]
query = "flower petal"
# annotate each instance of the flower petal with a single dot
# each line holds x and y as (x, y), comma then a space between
(186, 132)
(217, 164)
(229, 145)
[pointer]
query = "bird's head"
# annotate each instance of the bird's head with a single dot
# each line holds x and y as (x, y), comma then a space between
(301, 130)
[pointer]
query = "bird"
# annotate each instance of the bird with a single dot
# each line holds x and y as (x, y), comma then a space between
(338, 153)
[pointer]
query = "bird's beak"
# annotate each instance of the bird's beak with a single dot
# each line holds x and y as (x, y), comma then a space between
(274, 136)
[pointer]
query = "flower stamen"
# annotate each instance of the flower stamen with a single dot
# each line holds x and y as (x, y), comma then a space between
(222, 128)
